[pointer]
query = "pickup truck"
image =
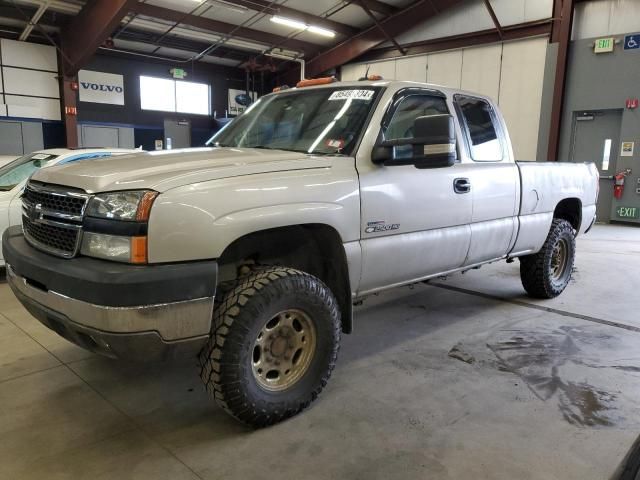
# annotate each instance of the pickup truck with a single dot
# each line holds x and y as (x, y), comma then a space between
(251, 253)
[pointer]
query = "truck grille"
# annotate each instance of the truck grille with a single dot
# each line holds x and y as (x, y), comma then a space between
(52, 218)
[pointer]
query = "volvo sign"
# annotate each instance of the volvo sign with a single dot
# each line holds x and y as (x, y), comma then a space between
(100, 87)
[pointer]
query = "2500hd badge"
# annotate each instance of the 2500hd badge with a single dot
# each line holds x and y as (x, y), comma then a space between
(381, 226)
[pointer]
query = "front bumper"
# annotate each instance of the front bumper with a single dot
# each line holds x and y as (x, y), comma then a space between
(141, 313)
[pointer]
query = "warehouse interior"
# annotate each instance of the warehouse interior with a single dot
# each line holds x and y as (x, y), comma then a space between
(457, 374)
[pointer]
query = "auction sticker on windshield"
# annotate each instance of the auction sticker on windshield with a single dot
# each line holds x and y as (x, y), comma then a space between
(352, 94)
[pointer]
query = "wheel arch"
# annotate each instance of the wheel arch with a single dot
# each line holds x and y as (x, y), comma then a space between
(315, 248)
(570, 209)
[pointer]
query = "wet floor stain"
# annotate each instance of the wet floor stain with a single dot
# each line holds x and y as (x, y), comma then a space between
(559, 365)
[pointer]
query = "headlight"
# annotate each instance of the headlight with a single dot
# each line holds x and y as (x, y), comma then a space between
(133, 205)
(114, 247)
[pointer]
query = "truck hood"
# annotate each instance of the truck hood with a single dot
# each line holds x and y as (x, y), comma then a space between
(167, 169)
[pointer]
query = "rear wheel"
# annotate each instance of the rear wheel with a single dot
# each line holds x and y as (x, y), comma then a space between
(273, 346)
(547, 273)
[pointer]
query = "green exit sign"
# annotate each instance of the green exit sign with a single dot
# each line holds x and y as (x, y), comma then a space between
(604, 45)
(628, 212)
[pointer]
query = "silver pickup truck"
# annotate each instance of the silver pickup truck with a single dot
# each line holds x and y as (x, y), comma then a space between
(251, 253)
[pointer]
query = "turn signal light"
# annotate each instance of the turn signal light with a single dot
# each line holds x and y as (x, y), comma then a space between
(144, 207)
(139, 250)
(315, 81)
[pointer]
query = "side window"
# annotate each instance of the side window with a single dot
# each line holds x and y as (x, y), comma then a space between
(410, 108)
(480, 125)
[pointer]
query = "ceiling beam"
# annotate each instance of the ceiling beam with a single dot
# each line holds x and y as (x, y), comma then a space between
(270, 8)
(372, 37)
(223, 28)
(89, 29)
(368, 11)
(494, 18)
(483, 37)
(381, 7)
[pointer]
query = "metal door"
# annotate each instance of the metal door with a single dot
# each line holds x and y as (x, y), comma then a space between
(596, 138)
(97, 136)
(11, 138)
(177, 134)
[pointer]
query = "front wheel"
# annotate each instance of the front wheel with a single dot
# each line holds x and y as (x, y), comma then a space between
(273, 346)
(547, 273)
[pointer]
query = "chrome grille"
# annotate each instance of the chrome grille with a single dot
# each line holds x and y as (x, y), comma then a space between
(52, 218)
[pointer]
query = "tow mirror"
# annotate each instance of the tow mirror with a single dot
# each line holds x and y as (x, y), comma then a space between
(433, 145)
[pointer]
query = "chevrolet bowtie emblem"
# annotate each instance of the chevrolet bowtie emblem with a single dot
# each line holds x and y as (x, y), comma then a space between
(35, 213)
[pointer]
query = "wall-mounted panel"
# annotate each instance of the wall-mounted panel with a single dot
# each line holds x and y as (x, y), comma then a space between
(32, 107)
(352, 72)
(481, 70)
(386, 69)
(412, 68)
(520, 98)
(29, 55)
(605, 17)
(18, 81)
(445, 68)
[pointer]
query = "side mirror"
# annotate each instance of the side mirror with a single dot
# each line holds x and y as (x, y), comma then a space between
(432, 146)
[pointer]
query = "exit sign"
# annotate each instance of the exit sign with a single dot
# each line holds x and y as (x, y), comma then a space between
(628, 212)
(604, 45)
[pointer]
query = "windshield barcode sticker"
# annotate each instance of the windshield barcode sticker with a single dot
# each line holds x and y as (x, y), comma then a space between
(352, 94)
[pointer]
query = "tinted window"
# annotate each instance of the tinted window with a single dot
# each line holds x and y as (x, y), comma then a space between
(318, 121)
(19, 170)
(410, 108)
(484, 142)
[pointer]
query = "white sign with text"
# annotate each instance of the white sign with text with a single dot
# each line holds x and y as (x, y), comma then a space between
(100, 87)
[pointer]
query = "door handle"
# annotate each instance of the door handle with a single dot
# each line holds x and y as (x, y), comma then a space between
(461, 185)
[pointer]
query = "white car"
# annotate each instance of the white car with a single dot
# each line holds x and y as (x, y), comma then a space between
(14, 175)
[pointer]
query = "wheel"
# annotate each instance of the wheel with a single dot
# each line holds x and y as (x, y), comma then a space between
(547, 273)
(274, 343)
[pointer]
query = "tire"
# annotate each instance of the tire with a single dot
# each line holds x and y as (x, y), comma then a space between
(273, 315)
(547, 273)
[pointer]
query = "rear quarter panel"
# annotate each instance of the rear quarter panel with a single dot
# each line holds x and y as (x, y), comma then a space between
(544, 186)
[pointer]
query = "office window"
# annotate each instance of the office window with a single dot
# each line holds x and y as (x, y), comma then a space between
(157, 94)
(192, 98)
(167, 95)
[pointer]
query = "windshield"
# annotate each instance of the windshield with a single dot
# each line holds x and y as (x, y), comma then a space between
(321, 121)
(21, 168)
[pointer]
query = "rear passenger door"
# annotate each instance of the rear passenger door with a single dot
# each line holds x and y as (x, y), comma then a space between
(494, 179)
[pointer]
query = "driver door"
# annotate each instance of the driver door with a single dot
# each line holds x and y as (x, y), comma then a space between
(414, 222)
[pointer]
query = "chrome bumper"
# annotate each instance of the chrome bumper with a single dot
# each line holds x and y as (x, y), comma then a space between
(147, 332)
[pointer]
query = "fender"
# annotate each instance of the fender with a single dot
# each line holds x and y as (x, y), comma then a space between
(197, 222)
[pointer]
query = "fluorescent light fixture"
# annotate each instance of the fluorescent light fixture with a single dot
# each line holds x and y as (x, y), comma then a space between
(290, 22)
(321, 31)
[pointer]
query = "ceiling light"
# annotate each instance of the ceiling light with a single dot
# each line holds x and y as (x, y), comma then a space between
(321, 31)
(289, 22)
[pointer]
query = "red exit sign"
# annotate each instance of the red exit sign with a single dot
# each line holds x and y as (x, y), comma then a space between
(632, 103)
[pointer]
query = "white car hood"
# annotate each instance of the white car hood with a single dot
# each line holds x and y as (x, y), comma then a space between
(168, 169)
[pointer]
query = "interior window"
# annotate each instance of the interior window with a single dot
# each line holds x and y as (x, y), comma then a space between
(410, 108)
(484, 142)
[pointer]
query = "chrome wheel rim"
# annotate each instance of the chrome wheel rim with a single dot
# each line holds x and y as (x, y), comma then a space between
(559, 259)
(283, 350)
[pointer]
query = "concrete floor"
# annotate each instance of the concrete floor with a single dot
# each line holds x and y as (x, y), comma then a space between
(550, 393)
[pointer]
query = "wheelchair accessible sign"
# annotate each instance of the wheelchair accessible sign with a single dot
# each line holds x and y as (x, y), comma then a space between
(632, 42)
